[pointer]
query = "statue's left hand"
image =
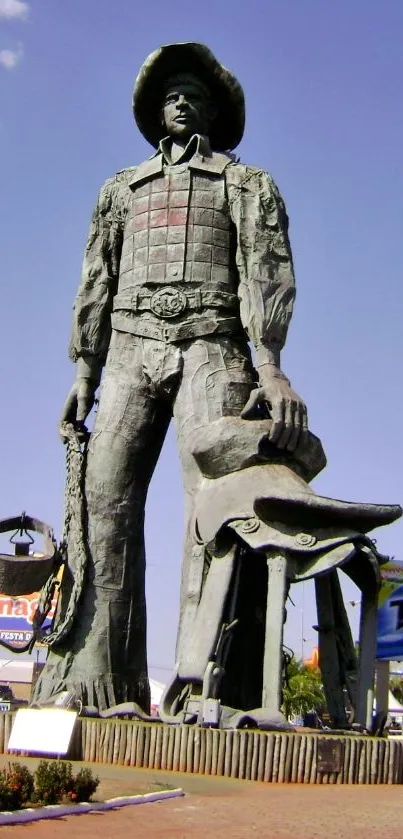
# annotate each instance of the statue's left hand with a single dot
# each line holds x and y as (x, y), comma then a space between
(287, 409)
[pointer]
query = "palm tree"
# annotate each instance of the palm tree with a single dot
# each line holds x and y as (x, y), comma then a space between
(302, 691)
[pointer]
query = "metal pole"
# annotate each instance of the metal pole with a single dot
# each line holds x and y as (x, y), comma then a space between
(382, 686)
(273, 648)
(365, 687)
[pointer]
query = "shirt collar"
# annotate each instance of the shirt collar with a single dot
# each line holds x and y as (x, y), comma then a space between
(198, 144)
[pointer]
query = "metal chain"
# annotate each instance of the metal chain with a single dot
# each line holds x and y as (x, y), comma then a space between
(41, 612)
(74, 534)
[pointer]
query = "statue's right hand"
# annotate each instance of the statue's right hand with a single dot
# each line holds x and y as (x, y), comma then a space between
(78, 404)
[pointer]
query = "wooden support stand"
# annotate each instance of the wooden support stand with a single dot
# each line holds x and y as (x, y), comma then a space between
(273, 648)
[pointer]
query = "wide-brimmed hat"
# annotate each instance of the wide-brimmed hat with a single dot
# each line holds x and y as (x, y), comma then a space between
(227, 127)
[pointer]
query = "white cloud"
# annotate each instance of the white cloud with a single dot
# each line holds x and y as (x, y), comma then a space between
(10, 58)
(13, 9)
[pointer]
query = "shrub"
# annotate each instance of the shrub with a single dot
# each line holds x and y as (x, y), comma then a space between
(84, 785)
(53, 780)
(21, 775)
(16, 786)
(52, 783)
(9, 797)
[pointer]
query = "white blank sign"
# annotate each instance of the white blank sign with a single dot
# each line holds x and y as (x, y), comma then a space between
(46, 730)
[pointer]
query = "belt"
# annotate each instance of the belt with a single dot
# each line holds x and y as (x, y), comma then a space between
(126, 322)
(170, 301)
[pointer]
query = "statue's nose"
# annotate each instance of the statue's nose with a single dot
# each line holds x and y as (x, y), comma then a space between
(182, 101)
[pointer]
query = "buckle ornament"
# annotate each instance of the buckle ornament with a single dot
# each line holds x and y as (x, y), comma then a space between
(168, 302)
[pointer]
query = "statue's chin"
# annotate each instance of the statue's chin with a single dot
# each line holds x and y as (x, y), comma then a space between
(182, 132)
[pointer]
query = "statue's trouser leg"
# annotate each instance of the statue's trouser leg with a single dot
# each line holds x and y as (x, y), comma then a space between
(216, 381)
(103, 659)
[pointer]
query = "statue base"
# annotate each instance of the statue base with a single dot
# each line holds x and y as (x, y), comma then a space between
(304, 757)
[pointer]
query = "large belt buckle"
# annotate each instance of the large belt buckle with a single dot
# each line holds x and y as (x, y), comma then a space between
(168, 302)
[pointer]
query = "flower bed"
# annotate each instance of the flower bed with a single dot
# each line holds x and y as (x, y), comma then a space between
(52, 782)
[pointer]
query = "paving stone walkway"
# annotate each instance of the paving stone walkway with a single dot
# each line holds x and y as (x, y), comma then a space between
(222, 808)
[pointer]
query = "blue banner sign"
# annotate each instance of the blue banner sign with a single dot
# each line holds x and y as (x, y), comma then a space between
(16, 614)
(390, 613)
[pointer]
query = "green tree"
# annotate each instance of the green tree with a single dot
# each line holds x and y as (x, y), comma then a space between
(396, 687)
(302, 690)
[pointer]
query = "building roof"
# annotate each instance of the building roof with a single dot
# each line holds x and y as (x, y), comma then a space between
(16, 671)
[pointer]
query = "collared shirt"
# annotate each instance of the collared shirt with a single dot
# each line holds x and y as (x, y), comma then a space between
(263, 258)
(198, 144)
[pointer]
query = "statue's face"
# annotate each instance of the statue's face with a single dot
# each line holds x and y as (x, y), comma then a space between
(186, 110)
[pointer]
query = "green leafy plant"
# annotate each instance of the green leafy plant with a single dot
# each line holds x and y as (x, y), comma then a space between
(303, 690)
(10, 798)
(396, 687)
(84, 785)
(16, 786)
(54, 782)
(22, 776)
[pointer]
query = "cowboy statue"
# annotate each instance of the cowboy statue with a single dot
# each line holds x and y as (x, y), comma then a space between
(188, 267)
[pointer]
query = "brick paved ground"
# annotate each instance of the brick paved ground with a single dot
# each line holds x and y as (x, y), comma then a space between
(221, 808)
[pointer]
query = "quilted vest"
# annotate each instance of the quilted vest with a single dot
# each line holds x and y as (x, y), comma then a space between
(178, 228)
(177, 273)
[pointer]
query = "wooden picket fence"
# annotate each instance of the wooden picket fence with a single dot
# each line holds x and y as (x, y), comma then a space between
(305, 758)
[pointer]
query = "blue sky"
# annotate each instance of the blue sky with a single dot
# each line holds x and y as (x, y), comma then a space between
(323, 90)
